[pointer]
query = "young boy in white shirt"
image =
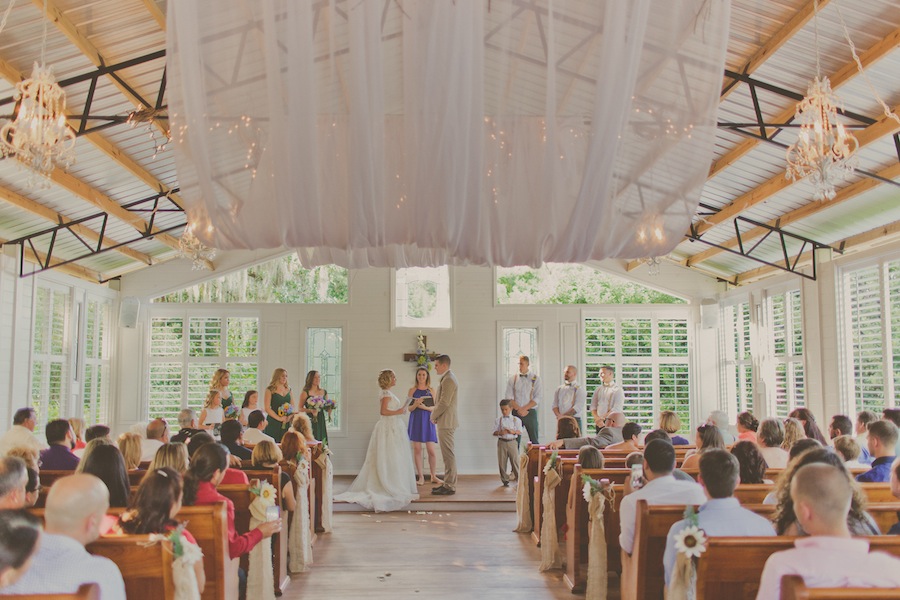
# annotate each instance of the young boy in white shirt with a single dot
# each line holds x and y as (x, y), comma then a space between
(507, 428)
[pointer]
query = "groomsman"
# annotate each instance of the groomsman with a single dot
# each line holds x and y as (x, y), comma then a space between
(608, 397)
(524, 389)
(570, 397)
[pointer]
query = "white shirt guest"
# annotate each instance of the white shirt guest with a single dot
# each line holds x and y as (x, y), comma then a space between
(157, 435)
(609, 397)
(256, 422)
(21, 433)
(570, 397)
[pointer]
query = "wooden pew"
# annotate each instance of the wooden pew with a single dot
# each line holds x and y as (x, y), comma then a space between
(146, 569)
(731, 567)
(794, 588)
(87, 591)
(642, 573)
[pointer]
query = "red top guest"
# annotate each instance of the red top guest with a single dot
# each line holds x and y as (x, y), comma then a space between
(208, 466)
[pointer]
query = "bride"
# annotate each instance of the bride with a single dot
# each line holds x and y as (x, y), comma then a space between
(387, 480)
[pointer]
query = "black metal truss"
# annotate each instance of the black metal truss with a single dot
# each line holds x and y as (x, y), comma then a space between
(790, 258)
(89, 123)
(146, 208)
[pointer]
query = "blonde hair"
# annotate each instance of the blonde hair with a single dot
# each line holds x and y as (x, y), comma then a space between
(384, 379)
(130, 447)
(302, 424)
(77, 427)
(266, 453)
(27, 453)
(216, 381)
(793, 431)
(669, 421)
(209, 398)
(276, 375)
(173, 455)
(89, 448)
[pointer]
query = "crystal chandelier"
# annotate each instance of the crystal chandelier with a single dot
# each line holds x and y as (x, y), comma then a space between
(39, 136)
(653, 263)
(824, 149)
(190, 247)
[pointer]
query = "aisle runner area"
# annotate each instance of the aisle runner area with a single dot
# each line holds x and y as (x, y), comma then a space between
(473, 493)
(426, 554)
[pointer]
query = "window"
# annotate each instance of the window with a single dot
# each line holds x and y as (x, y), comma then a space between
(651, 358)
(95, 397)
(422, 298)
(324, 353)
(50, 356)
(518, 341)
(786, 335)
(183, 359)
(736, 350)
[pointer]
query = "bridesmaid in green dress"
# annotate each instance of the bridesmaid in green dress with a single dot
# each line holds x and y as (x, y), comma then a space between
(220, 380)
(311, 389)
(277, 395)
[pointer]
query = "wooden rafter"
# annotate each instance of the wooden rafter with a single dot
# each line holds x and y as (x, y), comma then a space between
(157, 14)
(42, 211)
(840, 77)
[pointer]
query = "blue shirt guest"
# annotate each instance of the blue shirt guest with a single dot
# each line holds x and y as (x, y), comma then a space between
(59, 457)
(722, 514)
(882, 440)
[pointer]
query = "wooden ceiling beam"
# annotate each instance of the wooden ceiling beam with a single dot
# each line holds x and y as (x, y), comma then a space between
(158, 15)
(847, 72)
(807, 210)
(84, 231)
(882, 127)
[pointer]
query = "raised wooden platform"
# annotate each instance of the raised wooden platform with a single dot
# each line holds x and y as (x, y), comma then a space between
(473, 493)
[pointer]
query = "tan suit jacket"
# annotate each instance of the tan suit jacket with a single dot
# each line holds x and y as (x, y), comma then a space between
(444, 414)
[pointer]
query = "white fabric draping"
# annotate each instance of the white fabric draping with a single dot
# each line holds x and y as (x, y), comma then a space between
(427, 132)
(260, 576)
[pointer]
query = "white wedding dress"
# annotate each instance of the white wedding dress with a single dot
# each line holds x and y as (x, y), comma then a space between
(387, 480)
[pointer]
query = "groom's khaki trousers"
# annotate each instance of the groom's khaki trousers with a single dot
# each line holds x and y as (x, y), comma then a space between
(445, 439)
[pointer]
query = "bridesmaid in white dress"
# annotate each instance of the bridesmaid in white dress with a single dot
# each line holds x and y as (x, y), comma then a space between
(387, 480)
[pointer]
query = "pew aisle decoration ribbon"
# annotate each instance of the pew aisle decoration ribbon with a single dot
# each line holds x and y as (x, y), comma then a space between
(324, 462)
(551, 557)
(260, 578)
(690, 544)
(299, 542)
(597, 495)
(186, 555)
(523, 510)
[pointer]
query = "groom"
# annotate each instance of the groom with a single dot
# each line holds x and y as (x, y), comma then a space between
(444, 416)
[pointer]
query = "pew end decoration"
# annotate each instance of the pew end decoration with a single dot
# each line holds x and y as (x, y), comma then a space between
(551, 557)
(523, 505)
(185, 556)
(299, 541)
(597, 494)
(690, 544)
(260, 577)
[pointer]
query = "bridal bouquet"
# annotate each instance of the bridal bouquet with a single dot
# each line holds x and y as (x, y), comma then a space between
(232, 411)
(286, 410)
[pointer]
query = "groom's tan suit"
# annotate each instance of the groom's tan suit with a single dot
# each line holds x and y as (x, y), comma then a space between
(444, 416)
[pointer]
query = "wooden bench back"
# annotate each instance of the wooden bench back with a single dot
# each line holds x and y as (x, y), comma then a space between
(87, 591)
(642, 572)
(146, 568)
(794, 588)
(731, 567)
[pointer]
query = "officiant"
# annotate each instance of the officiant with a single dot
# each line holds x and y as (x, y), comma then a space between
(421, 430)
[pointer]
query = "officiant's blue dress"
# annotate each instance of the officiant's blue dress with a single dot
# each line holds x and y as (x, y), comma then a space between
(420, 428)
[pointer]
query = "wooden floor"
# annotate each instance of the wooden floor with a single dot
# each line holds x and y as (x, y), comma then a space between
(485, 489)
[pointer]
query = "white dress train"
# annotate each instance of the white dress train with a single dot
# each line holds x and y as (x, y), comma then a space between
(387, 480)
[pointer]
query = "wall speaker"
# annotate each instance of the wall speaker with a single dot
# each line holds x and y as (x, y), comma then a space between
(709, 313)
(129, 308)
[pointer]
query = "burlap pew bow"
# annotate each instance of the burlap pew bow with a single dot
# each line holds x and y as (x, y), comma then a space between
(324, 462)
(523, 508)
(299, 542)
(551, 557)
(185, 556)
(690, 544)
(260, 579)
(597, 494)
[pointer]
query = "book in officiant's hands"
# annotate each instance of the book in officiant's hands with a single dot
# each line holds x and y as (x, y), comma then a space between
(427, 401)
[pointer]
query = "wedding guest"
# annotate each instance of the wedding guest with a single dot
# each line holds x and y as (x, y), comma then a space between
(106, 463)
(840, 425)
(895, 491)
(20, 534)
(32, 487)
(882, 444)
(156, 503)
(421, 430)
(636, 458)
(78, 431)
(719, 418)
(267, 455)
(130, 447)
(173, 455)
(570, 397)
(589, 458)
(769, 438)
(859, 521)
(567, 428)
(630, 435)
(91, 446)
(76, 506)
(232, 475)
(59, 457)
(507, 429)
(188, 423)
(793, 433)
(822, 496)
(863, 418)
(232, 438)
(671, 424)
(31, 456)
(250, 404)
(302, 425)
(13, 477)
(610, 434)
(293, 447)
(22, 432)
(751, 461)
(721, 514)
(893, 415)
(219, 383)
(608, 398)
(256, 422)
(311, 389)
(708, 436)
(157, 435)
(525, 390)
(213, 414)
(747, 425)
(208, 466)
(278, 397)
(810, 427)
(94, 432)
(846, 446)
